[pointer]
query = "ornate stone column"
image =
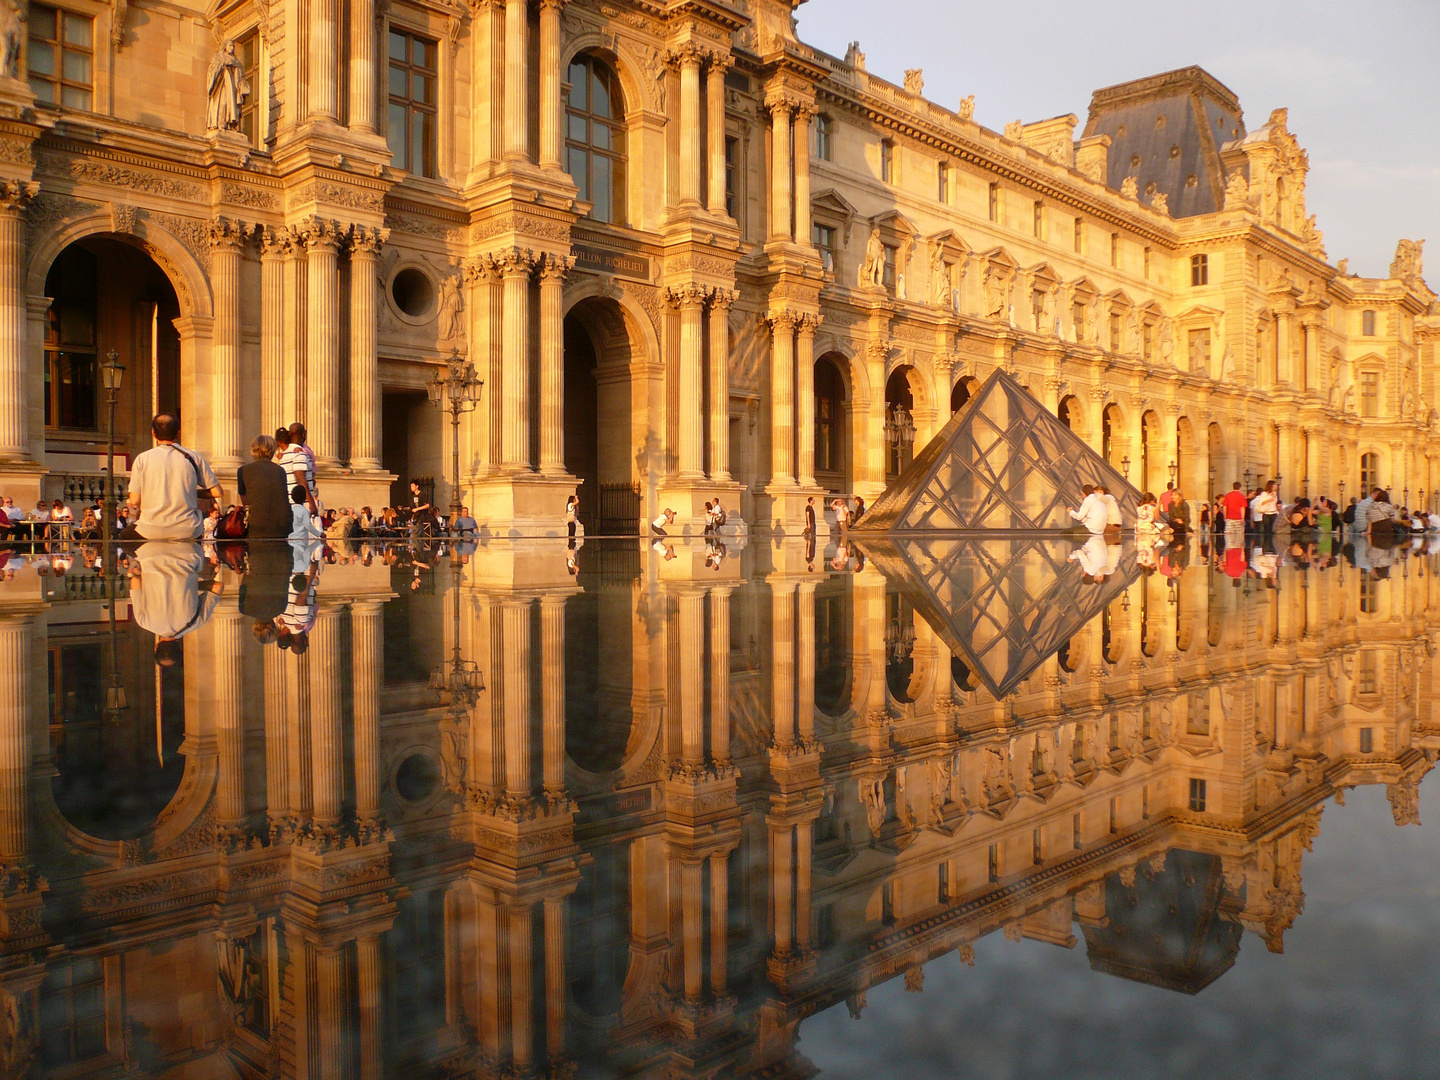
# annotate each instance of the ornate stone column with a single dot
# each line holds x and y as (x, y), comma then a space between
(362, 65)
(522, 929)
(369, 970)
(802, 175)
(227, 241)
(552, 355)
(277, 749)
(17, 661)
(782, 401)
(15, 196)
(367, 666)
(802, 885)
(327, 737)
(688, 59)
(515, 623)
(552, 142)
(782, 892)
(364, 358)
(719, 921)
(805, 399)
(322, 345)
(516, 266)
(779, 105)
(720, 303)
(274, 251)
(720, 674)
(691, 928)
(1312, 359)
(690, 299)
(296, 328)
(552, 693)
(805, 659)
(555, 984)
(690, 694)
(227, 637)
(323, 81)
(715, 133)
(517, 103)
(782, 665)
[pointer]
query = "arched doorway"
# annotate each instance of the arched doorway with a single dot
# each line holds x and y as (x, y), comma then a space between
(899, 420)
(961, 393)
(1070, 414)
(832, 425)
(600, 408)
(107, 295)
(1111, 424)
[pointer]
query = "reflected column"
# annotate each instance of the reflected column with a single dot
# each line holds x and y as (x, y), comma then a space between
(227, 636)
(552, 694)
(325, 721)
(16, 661)
(367, 671)
(522, 929)
(719, 921)
(277, 748)
(690, 628)
(331, 1014)
(368, 992)
(555, 985)
(805, 661)
(720, 674)
(691, 904)
(515, 620)
(782, 668)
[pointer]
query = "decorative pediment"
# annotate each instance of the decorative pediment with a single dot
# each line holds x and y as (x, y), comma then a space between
(1082, 288)
(832, 202)
(1119, 300)
(1000, 258)
(955, 248)
(894, 223)
(1043, 275)
(1199, 313)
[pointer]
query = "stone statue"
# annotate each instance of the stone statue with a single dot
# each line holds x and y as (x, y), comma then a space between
(1407, 264)
(1047, 313)
(914, 81)
(1015, 130)
(1094, 320)
(1227, 365)
(996, 290)
(1160, 203)
(228, 89)
(12, 36)
(1132, 332)
(939, 276)
(1130, 189)
(1167, 340)
(1237, 191)
(1343, 268)
(966, 111)
(854, 57)
(452, 307)
(872, 270)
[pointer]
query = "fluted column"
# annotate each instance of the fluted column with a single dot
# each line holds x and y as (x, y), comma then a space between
(517, 104)
(369, 971)
(782, 399)
(720, 303)
(802, 175)
(805, 659)
(323, 81)
(690, 629)
(782, 665)
(227, 240)
(782, 875)
(719, 921)
(688, 59)
(15, 196)
(1284, 348)
(362, 65)
(551, 113)
(515, 621)
(552, 692)
(552, 358)
(227, 635)
(692, 931)
(327, 737)
(802, 885)
(715, 133)
(331, 1013)
(516, 267)
(522, 1006)
(720, 674)
(295, 332)
(17, 661)
(364, 359)
(277, 747)
(367, 666)
(556, 987)
(780, 168)
(1312, 359)
(690, 299)
(274, 251)
(322, 346)
(805, 399)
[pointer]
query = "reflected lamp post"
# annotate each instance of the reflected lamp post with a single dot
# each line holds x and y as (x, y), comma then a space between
(459, 679)
(458, 390)
(112, 373)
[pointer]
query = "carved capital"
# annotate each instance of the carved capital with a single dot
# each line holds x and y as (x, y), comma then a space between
(688, 54)
(516, 262)
(782, 322)
(321, 234)
(689, 295)
(15, 195)
(367, 242)
(722, 300)
(782, 100)
(227, 235)
(275, 243)
(555, 267)
(808, 323)
(481, 270)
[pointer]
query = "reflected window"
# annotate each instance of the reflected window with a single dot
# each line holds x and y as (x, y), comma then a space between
(413, 102)
(1367, 740)
(829, 422)
(1369, 393)
(595, 138)
(61, 60)
(72, 372)
(417, 947)
(832, 649)
(1197, 796)
(899, 646)
(72, 1013)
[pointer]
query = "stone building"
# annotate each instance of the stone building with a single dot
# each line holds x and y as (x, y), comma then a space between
(688, 254)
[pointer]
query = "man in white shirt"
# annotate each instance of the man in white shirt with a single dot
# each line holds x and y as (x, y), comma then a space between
(164, 482)
(166, 596)
(659, 525)
(298, 461)
(1266, 506)
(1093, 512)
(1113, 521)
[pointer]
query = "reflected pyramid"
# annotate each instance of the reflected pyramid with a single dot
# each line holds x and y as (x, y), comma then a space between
(1003, 462)
(1004, 605)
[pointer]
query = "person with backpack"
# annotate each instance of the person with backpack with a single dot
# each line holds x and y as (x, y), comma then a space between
(165, 484)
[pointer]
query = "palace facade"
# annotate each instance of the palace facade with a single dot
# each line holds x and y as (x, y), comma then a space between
(688, 254)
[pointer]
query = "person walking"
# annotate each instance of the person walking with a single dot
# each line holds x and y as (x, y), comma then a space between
(572, 515)
(165, 482)
(809, 529)
(1235, 506)
(265, 492)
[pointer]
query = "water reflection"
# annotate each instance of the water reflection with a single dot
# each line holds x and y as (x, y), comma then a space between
(370, 812)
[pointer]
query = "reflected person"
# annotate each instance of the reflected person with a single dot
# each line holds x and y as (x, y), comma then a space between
(167, 596)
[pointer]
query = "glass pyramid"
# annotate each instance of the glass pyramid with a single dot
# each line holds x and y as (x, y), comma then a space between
(1004, 604)
(1003, 462)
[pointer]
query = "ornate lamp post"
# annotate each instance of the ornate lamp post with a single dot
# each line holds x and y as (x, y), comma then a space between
(461, 680)
(459, 391)
(1248, 474)
(1174, 468)
(112, 372)
(1125, 464)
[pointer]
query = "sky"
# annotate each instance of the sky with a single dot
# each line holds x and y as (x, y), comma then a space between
(1358, 78)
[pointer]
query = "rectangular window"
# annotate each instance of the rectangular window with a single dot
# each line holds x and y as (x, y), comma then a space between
(72, 1008)
(1078, 840)
(1367, 323)
(1367, 740)
(62, 57)
(943, 889)
(824, 238)
(1369, 393)
(247, 49)
(994, 202)
(888, 275)
(994, 862)
(1038, 219)
(1369, 673)
(412, 116)
(887, 161)
(1079, 236)
(1115, 250)
(1037, 847)
(1369, 588)
(942, 182)
(1147, 340)
(1197, 796)
(1147, 264)
(1199, 270)
(1145, 802)
(824, 138)
(1114, 816)
(1114, 331)
(887, 903)
(732, 173)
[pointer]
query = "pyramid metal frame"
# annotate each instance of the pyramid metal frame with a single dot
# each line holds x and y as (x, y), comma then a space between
(995, 463)
(977, 592)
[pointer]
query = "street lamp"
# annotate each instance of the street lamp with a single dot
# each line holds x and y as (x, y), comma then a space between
(1247, 480)
(899, 426)
(1174, 468)
(459, 390)
(461, 679)
(1125, 464)
(111, 374)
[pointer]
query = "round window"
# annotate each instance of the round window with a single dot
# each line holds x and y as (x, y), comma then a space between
(413, 292)
(417, 778)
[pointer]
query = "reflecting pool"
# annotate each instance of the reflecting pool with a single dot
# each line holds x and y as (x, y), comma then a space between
(980, 807)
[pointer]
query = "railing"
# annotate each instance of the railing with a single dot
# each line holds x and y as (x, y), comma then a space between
(619, 510)
(82, 489)
(85, 586)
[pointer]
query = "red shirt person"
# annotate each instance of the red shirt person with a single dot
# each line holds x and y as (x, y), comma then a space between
(1235, 504)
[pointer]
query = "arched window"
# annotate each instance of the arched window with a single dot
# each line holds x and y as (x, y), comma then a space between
(595, 137)
(829, 424)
